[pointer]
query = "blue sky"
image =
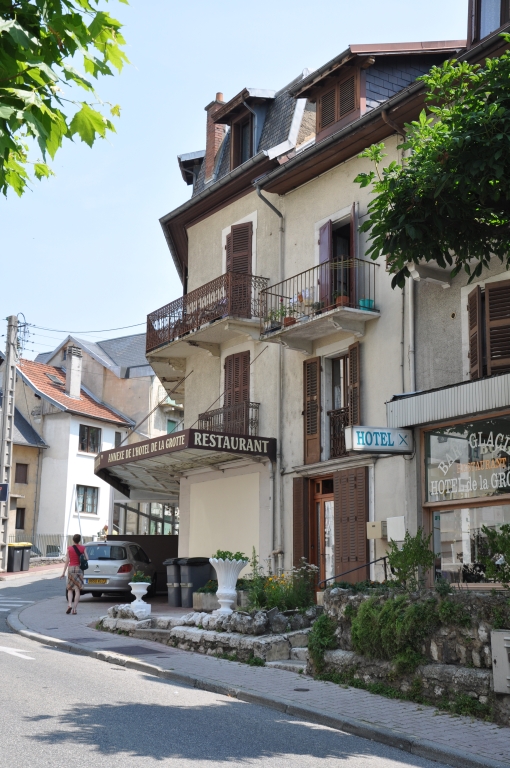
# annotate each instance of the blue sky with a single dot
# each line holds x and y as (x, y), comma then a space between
(84, 251)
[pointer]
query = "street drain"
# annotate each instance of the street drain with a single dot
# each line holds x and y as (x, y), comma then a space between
(301, 689)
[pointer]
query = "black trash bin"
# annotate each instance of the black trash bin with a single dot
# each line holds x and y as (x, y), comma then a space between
(25, 558)
(173, 581)
(14, 558)
(195, 573)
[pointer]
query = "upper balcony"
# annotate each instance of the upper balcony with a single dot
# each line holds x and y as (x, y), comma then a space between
(329, 298)
(193, 321)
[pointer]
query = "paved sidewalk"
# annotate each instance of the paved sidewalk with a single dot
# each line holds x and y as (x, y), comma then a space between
(7, 576)
(419, 729)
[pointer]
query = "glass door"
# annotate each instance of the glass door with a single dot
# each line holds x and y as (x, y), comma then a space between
(324, 525)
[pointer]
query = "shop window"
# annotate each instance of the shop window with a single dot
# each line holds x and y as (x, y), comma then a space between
(489, 329)
(21, 474)
(86, 499)
(146, 518)
(20, 518)
(90, 439)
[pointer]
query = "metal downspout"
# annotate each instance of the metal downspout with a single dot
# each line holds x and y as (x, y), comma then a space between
(278, 496)
(412, 364)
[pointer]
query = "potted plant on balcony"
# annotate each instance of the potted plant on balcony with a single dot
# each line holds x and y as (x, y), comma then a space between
(139, 586)
(289, 317)
(366, 303)
(341, 298)
(228, 566)
(317, 307)
(273, 320)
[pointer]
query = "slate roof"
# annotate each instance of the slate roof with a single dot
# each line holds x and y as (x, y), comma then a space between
(119, 355)
(36, 374)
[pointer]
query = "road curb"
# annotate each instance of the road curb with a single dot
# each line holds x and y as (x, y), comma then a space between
(365, 730)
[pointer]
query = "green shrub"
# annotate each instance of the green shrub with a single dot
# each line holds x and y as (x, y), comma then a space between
(225, 554)
(415, 555)
(442, 587)
(453, 613)
(497, 560)
(288, 591)
(321, 638)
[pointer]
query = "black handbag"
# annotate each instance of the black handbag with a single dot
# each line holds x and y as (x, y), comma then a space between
(84, 563)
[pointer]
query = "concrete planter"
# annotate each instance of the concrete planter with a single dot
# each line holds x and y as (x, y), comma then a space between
(227, 572)
(205, 601)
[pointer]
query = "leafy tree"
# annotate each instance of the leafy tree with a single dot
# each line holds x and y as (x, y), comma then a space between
(448, 202)
(41, 42)
(415, 555)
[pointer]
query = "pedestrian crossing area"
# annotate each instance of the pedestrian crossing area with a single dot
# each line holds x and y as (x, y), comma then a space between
(8, 604)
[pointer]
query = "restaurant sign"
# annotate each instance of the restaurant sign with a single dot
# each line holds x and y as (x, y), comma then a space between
(188, 439)
(468, 461)
(378, 440)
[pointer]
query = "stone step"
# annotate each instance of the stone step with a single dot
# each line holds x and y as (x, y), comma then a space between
(291, 665)
(299, 654)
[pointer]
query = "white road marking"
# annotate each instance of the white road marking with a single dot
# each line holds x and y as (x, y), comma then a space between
(16, 652)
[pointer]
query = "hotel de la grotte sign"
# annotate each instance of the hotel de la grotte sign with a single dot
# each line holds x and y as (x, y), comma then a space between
(378, 440)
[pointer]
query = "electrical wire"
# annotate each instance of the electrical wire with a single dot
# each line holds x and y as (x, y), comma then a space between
(101, 330)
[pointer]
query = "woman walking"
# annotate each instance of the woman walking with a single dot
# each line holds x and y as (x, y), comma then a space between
(74, 573)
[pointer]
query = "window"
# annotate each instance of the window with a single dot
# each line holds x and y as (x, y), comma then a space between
(239, 248)
(237, 378)
(488, 16)
(90, 439)
(338, 102)
(21, 475)
(86, 499)
(170, 426)
(242, 140)
(339, 379)
(20, 518)
(145, 518)
(337, 251)
(118, 439)
(489, 329)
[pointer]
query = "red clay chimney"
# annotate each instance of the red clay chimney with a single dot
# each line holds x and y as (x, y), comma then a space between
(215, 134)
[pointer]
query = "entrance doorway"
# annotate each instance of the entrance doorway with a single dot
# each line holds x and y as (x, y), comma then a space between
(322, 524)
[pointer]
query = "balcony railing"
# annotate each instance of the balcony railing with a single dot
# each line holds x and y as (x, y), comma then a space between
(238, 419)
(348, 283)
(338, 420)
(234, 294)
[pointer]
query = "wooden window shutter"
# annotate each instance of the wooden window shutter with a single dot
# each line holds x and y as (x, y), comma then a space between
(351, 516)
(241, 247)
(475, 333)
(312, 410)
(300, 504)
(325, 256)
(228, 248)
(327, 108)
(354, 384)
(237, 378)
(347, 96)
(497, 326)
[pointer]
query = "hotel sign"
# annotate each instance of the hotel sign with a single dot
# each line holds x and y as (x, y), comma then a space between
(188, 439)
(468, 461)
(378, 440)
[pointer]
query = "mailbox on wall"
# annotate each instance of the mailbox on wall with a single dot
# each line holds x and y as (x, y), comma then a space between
(500, 642)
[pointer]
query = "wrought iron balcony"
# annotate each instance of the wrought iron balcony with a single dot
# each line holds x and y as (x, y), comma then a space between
(338, 420)
(238, 419)
(234, 294)
(348, 285)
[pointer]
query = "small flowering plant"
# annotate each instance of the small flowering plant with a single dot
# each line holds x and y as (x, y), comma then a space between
(291, 590)
(141, 577)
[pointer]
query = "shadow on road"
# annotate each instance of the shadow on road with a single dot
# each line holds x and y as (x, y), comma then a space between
(223, 731)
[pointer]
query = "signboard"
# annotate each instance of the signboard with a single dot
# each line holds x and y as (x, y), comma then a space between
(378, 440)
(468, 461)
(4, 491)
(188, 439)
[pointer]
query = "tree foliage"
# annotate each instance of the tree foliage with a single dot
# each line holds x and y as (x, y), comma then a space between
(448, 202)
(42, 42)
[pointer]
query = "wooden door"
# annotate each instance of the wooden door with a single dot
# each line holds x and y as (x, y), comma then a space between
(351, 517)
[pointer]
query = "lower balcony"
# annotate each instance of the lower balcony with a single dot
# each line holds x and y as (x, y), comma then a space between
(237, 419)
(338, 420)
(331, 297)
(232, 295)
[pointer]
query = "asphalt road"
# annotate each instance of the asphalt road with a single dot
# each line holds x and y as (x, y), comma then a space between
(61, 711)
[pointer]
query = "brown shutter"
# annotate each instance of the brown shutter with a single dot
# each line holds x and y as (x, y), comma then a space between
(497, 326)
(241, 247)
(351, 516)
(327, 108)
(229, 380)
(312, 410)
(354, 384)
(325, 256)
(300, 491)
(237, 378)
(347, 96)
(475, 333)
(228, 249)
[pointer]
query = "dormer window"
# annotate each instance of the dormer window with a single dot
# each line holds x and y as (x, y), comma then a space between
(245, 114)
(487, 16)
(338, 101)
(242, 140)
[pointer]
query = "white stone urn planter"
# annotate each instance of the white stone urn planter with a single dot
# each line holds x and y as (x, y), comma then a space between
(227, 572)
(139, 588)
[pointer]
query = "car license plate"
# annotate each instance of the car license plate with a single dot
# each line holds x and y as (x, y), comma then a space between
(97, 581)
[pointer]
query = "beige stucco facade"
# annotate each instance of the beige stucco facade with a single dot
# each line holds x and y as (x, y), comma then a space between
(25, 495)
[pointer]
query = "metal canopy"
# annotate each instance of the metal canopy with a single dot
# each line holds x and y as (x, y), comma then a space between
(156, 465)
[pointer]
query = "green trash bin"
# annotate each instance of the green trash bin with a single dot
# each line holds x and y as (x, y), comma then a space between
(26, 547)
(14, 558)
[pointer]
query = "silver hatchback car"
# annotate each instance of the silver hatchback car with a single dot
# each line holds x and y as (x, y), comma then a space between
(112, 566)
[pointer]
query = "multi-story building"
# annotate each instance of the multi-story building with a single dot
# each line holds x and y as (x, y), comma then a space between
(290, 339)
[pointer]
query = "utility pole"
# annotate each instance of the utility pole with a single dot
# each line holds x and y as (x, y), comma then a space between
(7, 430)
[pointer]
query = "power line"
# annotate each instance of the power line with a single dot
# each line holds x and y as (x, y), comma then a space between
(102, 330)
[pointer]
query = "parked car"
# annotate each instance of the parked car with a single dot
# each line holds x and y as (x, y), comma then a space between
(113, 565)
